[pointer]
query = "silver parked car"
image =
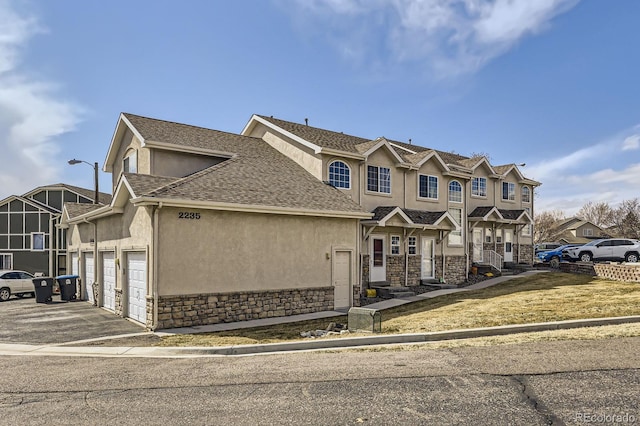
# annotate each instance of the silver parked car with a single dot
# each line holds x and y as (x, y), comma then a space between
(16, 283)
(619, 249)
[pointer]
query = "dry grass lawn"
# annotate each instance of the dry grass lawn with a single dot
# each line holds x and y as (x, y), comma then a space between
(535, 298)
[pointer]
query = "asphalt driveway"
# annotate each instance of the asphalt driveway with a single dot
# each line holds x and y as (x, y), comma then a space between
(27, 322)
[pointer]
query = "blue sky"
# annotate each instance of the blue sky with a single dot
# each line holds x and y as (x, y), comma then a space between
(549, 83)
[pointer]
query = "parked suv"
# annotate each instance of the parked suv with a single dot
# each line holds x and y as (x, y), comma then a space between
(15, 282)
(553, 257)
(608, 249)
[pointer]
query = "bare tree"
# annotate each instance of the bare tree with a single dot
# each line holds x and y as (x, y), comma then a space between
(600, 214)
(545, 226)
(626, 219)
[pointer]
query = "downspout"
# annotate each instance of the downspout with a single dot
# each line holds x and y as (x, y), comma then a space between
(52, 240)
(443, 258)
(154, 255)
(466, 230)
(405, 247)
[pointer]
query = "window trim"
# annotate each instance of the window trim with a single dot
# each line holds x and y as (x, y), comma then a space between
(527, 230)
(427, 198)
(528, 198)
(413, 246)
(127, 160)
(331, 163)
(7, 255)
(459, 232)
(509, 192)
(479, 195)
(396, 245)
(378, 185)
(44, 241)
(449, 192)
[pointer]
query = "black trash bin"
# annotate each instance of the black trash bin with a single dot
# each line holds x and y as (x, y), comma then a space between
(44, 289)
(67, 285)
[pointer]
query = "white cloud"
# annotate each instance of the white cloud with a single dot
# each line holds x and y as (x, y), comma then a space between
(450, 36)
(31, 115)
(631, 143)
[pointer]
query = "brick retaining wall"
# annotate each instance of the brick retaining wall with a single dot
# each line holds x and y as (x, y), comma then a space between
(585, 268)
(214, 308)
(629, 272)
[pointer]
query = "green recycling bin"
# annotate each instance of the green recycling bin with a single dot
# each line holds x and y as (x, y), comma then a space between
(44, 289)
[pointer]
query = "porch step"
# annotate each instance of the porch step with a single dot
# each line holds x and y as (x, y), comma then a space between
(439, 286)
(388, 292)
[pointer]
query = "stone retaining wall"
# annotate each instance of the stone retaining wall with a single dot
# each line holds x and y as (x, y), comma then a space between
(214, 308)
(585, 268)
(629, 272)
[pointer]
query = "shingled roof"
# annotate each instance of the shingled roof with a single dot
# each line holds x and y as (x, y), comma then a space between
(256, 174)
(348, 143)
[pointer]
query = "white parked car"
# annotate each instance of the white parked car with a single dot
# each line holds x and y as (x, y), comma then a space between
(16, 283)
(618, 249)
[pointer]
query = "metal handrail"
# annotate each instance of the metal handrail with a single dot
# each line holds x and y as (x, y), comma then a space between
(492, 258)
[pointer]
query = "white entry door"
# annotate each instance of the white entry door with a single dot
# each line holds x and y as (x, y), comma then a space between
(428, 258)
(378, 262)
(508, 245)
(89, 276)
(477, 245)
(137, 286)
(109, 281)
(342, 279)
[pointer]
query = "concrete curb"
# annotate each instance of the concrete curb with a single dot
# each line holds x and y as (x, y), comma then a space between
(307, 345)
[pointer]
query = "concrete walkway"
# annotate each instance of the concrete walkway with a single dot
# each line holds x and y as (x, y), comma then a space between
(67, 350)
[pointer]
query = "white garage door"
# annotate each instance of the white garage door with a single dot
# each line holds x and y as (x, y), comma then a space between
(137, 286)
(109, 281)
(89, 276)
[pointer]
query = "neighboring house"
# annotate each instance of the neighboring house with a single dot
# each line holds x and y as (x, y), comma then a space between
(207, 226)
(29, 237)
(575, 230)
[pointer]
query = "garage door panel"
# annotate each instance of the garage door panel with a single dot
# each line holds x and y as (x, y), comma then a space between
(137, 286)
(89, 276)
(109, 281)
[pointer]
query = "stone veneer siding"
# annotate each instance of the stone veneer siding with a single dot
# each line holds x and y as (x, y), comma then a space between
(118, 309)
(455, 269)
(214, 308)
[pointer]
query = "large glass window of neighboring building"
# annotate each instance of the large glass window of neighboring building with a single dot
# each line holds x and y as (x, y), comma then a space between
(339, 175)
(479, 186)
(379, 179)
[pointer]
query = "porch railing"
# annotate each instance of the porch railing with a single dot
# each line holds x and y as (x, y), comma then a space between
(492, 258)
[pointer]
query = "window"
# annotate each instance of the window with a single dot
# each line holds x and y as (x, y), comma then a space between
(412, 245)
(395, 244)
(130, 164)
(488, 235)
(526, 194)
(6, 261)
(37, 241)
(587, 232)
(455, 192)
(379, 179)
(339, 175)
(528, 229)
(498, 236)
(455, 237)
(428, 187)
(479, 187)
(509, 191)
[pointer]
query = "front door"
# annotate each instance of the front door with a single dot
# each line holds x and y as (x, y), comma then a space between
(378, 267)
(428, 269)
(508, 245)
(477, 244)
(342, 279)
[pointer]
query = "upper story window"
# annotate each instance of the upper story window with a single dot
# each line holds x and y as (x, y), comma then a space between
(428, 187)
(587, 232)
(508, 191)
(339, 175)
(455, 192)
(37, 241)
(479, 187)
(379, 179)
(130, 163)
(526, 194)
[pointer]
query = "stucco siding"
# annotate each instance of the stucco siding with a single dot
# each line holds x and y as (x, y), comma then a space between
(130, 142)
(176, 164)
(239, 252)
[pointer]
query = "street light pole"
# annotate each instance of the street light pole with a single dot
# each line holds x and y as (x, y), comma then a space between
(95, 176)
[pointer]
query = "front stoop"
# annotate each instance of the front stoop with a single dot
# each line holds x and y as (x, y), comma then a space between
(386, 291)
